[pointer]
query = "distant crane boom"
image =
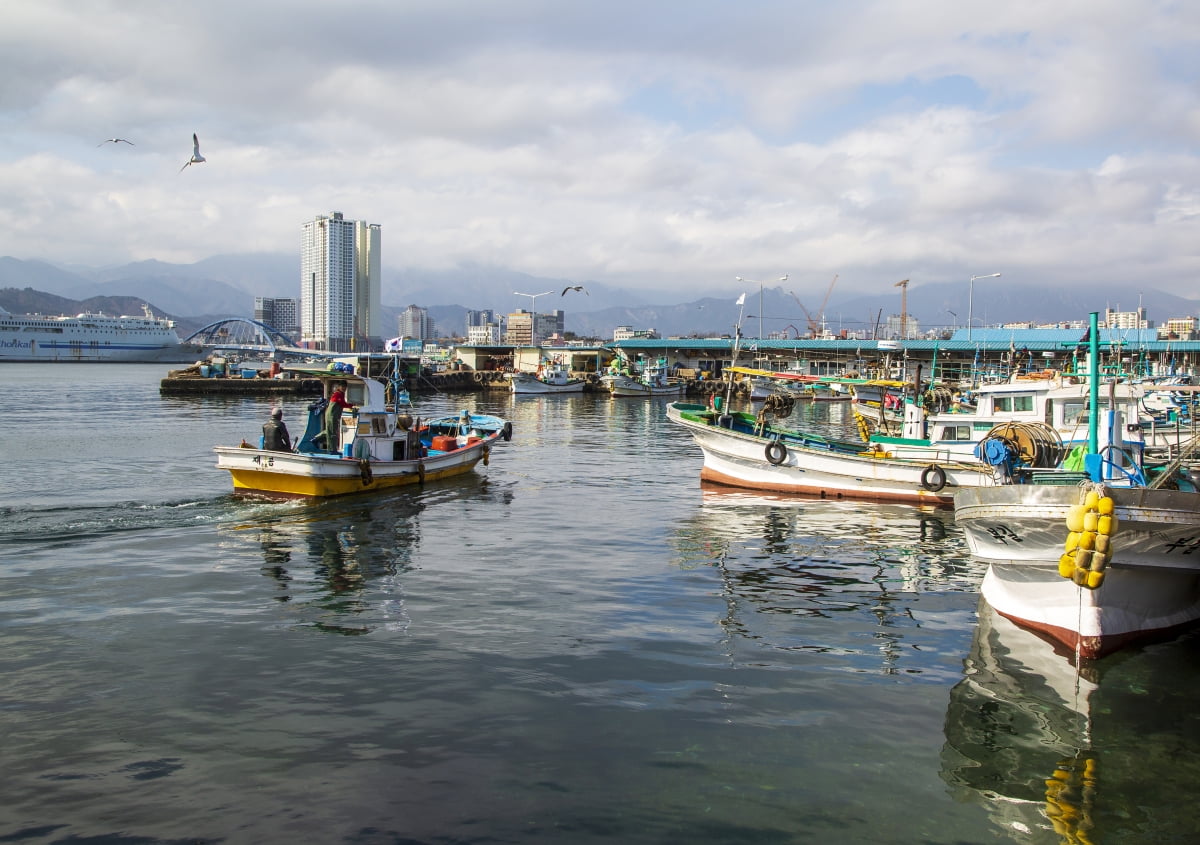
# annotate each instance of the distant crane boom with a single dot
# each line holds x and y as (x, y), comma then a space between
(903, 285)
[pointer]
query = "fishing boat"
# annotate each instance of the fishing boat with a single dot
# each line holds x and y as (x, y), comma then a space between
(381, 446)
(92, 337)
(751, 451)
(650, 379)
(1091, 560)
(550, 377)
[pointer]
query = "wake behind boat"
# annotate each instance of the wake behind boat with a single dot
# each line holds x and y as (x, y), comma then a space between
(372, 448)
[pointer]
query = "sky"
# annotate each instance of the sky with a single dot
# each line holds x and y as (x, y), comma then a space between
(672, 146)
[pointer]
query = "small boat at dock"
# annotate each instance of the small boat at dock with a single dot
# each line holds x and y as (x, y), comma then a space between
(550, 377)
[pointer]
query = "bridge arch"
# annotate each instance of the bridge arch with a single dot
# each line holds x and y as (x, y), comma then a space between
(241, 333)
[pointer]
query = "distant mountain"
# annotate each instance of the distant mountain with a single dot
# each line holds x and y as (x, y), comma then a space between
(225, 286)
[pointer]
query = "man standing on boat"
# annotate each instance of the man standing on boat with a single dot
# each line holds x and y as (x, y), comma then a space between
(275, 433)
(333, 418)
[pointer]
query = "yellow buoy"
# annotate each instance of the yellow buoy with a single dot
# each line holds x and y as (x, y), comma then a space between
(1075, 515)
(1083, 558)
(1066, 565)
(1103, 544)
(1094, 580)
(1072, 542)
(1090, 520)
(1105, 505)
(1087, 540)
(1099, 561)
(1107, 524)
(1079, 576)
(1091, 499)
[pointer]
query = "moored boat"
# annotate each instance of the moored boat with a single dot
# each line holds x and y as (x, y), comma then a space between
(550, 377)
(378, 447)
(746, 450)
(1091, 560)
(650, 379)
(94, 337)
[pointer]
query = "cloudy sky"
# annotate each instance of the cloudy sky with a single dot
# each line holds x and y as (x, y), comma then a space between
(659, 144)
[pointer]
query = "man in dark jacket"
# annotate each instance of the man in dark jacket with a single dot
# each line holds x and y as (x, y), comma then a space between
(275, 433)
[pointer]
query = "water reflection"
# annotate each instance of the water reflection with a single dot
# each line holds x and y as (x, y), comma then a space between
(341, 559)
(1105, 754)
(861, 567)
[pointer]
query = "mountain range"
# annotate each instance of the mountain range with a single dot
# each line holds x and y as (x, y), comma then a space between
(225, 286)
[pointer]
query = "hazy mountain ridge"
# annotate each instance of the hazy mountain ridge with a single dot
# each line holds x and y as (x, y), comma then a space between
(225, 286)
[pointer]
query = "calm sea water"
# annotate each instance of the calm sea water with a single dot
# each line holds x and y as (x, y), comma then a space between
(575, 644)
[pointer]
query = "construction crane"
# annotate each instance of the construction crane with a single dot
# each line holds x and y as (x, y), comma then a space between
(815, 326)
(903, 285)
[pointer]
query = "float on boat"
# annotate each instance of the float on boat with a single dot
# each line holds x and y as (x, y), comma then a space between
(381, 446)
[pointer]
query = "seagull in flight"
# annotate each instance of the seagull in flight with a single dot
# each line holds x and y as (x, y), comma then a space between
(574, 287)
(116, 141)
(196, 157)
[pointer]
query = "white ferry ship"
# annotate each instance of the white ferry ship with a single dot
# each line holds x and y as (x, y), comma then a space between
(93, 337)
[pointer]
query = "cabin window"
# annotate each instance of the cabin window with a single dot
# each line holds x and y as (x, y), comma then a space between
(1013, 404)
(956, 432)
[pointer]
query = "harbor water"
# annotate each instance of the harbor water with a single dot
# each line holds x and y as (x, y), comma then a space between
(578, 643)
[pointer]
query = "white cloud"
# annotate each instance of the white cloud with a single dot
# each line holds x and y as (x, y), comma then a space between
(618, 141)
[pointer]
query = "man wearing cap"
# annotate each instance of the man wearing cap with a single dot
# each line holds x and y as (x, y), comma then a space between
(275, 433)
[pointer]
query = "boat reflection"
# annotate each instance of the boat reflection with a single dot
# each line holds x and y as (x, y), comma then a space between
(340, 559)
(1105, 754)
(871, 573)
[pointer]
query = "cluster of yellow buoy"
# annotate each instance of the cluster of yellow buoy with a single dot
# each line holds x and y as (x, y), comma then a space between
(1088, 550)
(1070, 794)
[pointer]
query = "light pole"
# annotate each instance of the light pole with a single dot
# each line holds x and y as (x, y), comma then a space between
(782, 278)
(533, 319)
(971, 299)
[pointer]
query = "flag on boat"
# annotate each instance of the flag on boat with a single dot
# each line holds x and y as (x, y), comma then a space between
(394, 345)
(741, 300)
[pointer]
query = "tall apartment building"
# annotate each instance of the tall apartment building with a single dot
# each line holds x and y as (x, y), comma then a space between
(340, 282)
(283, 315)
(416, 324)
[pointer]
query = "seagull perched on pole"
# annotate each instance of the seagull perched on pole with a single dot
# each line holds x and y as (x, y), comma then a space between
(116, 141)
(574, 287)
(196, 157)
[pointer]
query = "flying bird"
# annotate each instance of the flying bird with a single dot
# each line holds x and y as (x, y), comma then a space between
(573, 287)
(196, 157)
(116, 141)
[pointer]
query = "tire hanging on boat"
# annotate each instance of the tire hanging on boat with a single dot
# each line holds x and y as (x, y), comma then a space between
(933, 478)
(506, 432)
(776, 453)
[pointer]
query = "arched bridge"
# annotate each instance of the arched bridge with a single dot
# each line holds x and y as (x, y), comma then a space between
(245, 335)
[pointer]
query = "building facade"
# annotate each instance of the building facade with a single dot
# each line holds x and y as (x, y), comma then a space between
(283, 315)
(416, 324)
(340, 283)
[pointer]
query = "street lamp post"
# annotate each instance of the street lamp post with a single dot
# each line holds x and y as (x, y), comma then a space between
(533, 318)
(782, 278)
(971, 299)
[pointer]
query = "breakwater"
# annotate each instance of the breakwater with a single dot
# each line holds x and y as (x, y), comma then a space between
(190, 383)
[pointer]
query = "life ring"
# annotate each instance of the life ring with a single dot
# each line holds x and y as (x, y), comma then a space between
(933, 478)
(506, 432)
(776, 453)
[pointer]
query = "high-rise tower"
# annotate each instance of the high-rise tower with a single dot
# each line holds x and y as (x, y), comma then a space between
(340, 284)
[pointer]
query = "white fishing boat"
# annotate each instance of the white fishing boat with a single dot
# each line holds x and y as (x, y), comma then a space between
(550, 377)
(93, 338)
(1090, 560)
(651, 379)
(380, 447)
(747, 450)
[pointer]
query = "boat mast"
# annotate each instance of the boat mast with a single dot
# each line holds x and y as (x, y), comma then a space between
(1094, 383)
